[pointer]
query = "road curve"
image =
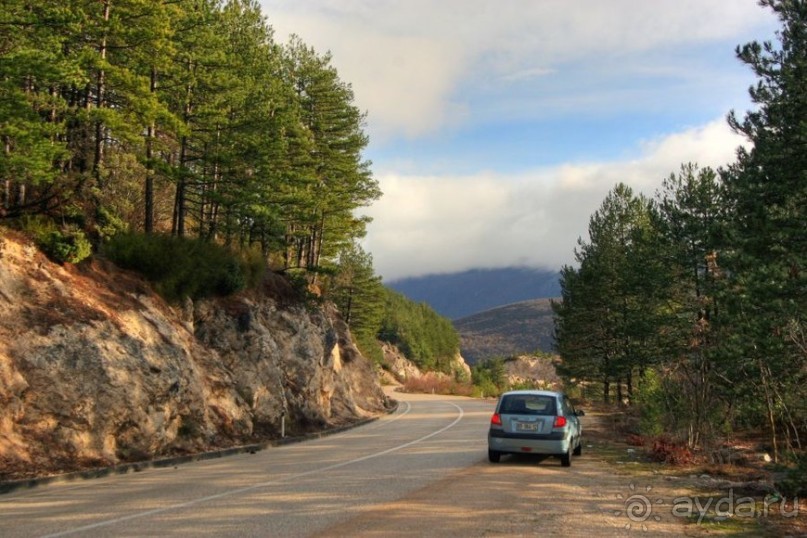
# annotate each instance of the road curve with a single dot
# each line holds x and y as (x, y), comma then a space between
(295, 490)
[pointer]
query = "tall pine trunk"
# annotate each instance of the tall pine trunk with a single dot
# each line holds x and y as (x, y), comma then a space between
(179, 200)
(764, 374)
(180, 209)
(100, 90)
(148, 202)
(6, 205)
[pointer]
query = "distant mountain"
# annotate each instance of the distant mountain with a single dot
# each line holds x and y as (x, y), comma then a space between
(520, 328)
(456, 295)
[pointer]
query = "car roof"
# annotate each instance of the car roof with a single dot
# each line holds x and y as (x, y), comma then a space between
(535, 392)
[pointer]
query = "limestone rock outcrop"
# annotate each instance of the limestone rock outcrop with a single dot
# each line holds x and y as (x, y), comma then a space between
(402, 369)
(96, 369)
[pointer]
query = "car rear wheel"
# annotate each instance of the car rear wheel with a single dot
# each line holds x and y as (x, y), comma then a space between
(566, 459)
(494, 456)
(579, 448)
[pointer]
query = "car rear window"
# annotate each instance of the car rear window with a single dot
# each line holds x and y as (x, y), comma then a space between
(528, 404)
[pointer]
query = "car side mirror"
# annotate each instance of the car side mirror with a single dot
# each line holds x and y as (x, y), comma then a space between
(580, 413)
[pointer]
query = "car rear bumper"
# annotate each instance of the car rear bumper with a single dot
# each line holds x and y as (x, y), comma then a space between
(553, 444)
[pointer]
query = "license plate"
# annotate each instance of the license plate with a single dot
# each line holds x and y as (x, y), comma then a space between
(526, 426)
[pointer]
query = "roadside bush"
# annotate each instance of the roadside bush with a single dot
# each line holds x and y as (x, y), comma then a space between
(794, 483)
(66, 244)
(490, 372)
(635, 440)
(254, 266)
(435, 383)
(109, 224)
(649, 398)
(666, 450)
(369, 347)
(180, 267)
(462, 376)
(70, 246)
(486, 389)
(532, 385)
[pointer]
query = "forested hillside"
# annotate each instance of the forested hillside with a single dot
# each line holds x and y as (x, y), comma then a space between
(692, 302)
(376, 314)
(521, 328)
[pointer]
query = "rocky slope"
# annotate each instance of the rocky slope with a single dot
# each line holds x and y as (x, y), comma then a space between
(398, 369)
(533, 370)
(96, 369)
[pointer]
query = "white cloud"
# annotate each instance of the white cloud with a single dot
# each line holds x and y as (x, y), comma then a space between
(413, 63)
(527, 74)
(420, 67)
(435, 224)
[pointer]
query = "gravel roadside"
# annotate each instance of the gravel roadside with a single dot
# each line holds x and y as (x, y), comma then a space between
(527, 496)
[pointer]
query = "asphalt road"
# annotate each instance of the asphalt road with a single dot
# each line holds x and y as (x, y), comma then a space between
(295, 490)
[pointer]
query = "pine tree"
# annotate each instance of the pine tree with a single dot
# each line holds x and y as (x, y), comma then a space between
(193, 93)
(32, 124)
(233, 192)
(358, 292)
(342, 180)
(767, 190)
(604, 324)
(691, 218)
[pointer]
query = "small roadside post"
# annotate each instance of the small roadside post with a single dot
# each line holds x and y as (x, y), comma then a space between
(283, 424)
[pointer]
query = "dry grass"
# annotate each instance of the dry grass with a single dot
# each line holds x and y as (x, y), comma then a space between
(436, 383)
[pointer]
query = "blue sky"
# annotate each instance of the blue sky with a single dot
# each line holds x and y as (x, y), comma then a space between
(497, 127)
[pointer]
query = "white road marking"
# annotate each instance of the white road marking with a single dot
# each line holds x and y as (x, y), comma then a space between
(387, 419)
(263, 484)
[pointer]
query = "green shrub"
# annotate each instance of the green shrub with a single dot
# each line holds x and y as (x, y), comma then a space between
(109, 224)
(486, 389)
(490, 376)
(65, 244)
(254, 266)
(649, 398)
(462, 376)
(527, 385)
(370, 348)
(299, 280)
(71, 246)
(181, 267)
(794, 483)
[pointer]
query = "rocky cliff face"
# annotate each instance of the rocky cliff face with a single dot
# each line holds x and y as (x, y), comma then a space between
(400, 369)
(96, 369)
(532, 370)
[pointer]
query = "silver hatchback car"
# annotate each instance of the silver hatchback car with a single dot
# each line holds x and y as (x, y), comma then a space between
(535, 422)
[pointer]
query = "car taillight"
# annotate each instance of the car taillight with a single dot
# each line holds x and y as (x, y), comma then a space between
(496, 419)
(559, 422)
